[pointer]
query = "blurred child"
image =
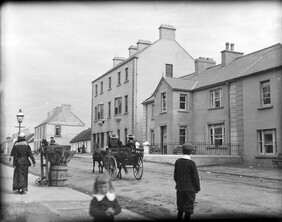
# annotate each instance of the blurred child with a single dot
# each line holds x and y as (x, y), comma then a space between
(104, 204)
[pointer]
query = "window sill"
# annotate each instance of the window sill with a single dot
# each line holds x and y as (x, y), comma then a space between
(109, 117)
(118, 85)
(163, 112)
(109, 89)
(96, 95)
(152, 119)
(183, 111)
(101, 93)
(265, 107)
(270, 156)
(222, 107)
(126, 81)
(125, 113)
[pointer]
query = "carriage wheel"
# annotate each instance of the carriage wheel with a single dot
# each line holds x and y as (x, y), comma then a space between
(138, 169)
(112, 167)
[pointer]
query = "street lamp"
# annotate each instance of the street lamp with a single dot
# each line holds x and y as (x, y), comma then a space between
(20, 117)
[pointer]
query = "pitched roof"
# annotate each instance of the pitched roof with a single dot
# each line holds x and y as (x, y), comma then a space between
(82, 136)
(180, 84)
(63, 117)
(252, 63)
(176, 84)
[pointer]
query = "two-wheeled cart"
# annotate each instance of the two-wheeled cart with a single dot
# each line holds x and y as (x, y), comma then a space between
(118, 158)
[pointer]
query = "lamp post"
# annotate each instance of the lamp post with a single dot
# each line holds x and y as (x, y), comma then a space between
(20, 117)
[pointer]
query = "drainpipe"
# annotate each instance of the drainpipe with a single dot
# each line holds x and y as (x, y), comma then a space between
(228, 133)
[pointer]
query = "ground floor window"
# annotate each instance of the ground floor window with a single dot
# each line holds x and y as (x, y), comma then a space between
(266, 141)
(216, 134)
(182, 134)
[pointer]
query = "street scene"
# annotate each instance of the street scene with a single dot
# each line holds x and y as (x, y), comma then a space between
(141, 111)
(237, 193)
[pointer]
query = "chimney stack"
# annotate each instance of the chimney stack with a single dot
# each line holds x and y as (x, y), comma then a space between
(142, 44)
(167, 32)
(228, 56)
(117, 60)
(202, 63)
(66, 107)
(132, 50)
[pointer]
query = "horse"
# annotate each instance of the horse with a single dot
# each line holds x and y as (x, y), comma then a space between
(98, 156)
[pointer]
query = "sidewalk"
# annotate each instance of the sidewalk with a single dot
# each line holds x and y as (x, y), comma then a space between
(47, 203)
(273, 173)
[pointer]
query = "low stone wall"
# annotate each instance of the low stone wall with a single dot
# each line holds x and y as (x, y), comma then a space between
(200, 160)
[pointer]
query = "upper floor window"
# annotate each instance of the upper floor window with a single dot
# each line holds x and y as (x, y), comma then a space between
(163, 102)
(118, 104)
(183, 101)
(265, 93)
(182, 134)
(118, 78)
(168, 70)
(96, 90)
(110, 82)
(102, 87)
(126, 104)
(109, 109)
(266, 142)
(57, 130)
(126, 74)
(216, 98)
(100, 111)
(216, 134)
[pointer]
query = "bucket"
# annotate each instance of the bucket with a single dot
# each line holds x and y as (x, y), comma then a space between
(58, 176)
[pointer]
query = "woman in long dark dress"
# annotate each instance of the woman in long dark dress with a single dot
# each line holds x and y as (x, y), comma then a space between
(21, 152)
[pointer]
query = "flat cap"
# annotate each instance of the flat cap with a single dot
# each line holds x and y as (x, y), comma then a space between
(188, 146)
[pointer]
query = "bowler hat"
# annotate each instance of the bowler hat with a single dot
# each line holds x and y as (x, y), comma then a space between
(188, 147)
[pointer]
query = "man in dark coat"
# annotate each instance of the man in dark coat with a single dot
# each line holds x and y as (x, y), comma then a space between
(21, 152)
(187, 182)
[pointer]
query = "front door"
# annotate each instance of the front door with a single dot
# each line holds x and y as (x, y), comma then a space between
(164, 139)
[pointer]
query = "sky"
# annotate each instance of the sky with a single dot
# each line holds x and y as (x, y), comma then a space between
(51, 52)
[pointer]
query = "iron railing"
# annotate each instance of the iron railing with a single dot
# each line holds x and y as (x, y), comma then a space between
(201, 148)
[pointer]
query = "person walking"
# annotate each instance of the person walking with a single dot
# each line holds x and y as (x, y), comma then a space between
(104, 205)
(21, 152)
(187, 182)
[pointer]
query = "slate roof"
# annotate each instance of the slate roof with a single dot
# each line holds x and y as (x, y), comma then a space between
(259, 61)
(250, 64)
(63, 117)
(82, 136)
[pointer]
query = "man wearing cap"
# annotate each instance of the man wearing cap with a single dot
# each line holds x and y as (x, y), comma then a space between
(21, 152)
(187, 182)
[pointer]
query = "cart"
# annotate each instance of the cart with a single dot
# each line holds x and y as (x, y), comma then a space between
(43, 180)
(118, 158)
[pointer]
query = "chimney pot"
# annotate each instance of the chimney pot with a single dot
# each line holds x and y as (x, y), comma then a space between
(232, 47)
(227, 46)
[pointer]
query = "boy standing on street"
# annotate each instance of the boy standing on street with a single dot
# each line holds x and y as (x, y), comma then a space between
(187, 182)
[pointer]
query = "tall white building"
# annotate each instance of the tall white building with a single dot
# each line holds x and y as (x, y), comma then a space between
(117, 95)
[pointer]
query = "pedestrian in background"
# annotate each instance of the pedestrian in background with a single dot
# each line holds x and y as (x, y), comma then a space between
(52, 141)
(104, 205)
(21, 153)
(187, 182)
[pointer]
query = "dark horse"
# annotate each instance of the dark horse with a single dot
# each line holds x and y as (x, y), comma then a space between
(98, 156)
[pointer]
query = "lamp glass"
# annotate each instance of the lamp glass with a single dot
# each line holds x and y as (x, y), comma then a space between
(20, 116)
